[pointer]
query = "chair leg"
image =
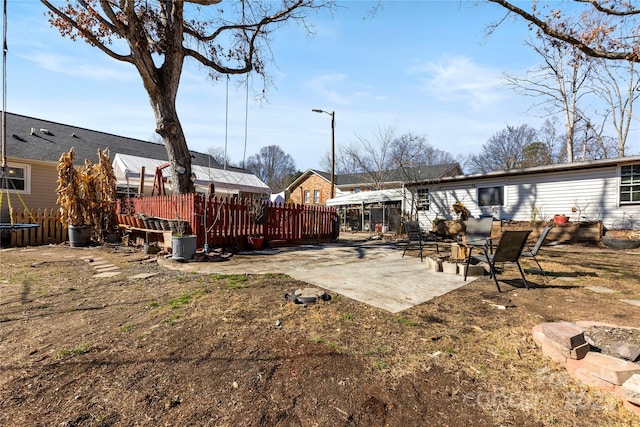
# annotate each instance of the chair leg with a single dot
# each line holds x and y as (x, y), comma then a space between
(492, 268)
(526, 285)
(466, 270)
(540, 267)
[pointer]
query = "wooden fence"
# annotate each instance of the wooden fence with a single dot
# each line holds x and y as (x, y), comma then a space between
(49, 230)
(229, 221)
(216, 221)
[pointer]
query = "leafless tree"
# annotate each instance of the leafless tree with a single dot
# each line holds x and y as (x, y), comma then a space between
(159, 35)
(273, 166)
(560, 83)
(505, 150)
(344, 163)
(219, 155)
(617, 83)
(553, 141)
(374, 158)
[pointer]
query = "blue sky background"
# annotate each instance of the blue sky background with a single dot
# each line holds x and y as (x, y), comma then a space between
(422, 67)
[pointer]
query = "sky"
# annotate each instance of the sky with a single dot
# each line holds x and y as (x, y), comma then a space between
(420, 67)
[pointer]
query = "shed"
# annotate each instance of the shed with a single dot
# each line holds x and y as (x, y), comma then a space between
(128, 169)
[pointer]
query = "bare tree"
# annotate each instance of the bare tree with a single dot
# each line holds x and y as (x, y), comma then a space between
(599, 28)
(159, 35)
(344, 163)
(505, 150)
(374, 158)
(553, 141)
(273, 166)
(559, 83)
(220, 156)
(619, 85)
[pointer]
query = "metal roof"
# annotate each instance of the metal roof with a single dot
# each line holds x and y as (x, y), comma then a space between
(367, 197)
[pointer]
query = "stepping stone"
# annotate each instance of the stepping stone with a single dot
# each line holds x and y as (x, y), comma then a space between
(566, 334)
(623, 350)
(106, 274)
(632, 301)
(631, 389)
(600, 289)
(610, 369)
(142, 276)
(107, 267)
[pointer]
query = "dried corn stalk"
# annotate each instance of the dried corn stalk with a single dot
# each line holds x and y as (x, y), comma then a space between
(87, 195)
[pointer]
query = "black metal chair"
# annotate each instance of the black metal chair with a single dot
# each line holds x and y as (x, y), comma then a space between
(478, 232)
(509, 249)
(418, 238)
(532, 252)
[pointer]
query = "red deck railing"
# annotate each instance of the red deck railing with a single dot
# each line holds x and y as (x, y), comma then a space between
(229, 221)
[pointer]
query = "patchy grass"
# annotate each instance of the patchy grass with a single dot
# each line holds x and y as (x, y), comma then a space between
(79, 349)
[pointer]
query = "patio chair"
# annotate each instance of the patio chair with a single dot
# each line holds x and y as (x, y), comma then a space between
(478, 232)
(509, 249)
(532, 252)
(418, 238)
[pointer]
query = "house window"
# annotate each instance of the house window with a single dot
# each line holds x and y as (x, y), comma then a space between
(630, 184)
(16, 179)
(316, 196)
(307, 196)
(491, 196)
(423, 199)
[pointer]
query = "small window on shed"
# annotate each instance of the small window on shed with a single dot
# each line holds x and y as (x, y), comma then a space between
(307, 196)
(316, 196)
(491, 196)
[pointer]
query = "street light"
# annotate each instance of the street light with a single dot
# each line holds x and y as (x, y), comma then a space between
(333, 147)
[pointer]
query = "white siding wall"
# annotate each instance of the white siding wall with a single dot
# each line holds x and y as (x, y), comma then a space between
(582, 195)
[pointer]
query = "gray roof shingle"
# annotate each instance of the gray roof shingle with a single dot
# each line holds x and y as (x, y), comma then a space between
(38, 139)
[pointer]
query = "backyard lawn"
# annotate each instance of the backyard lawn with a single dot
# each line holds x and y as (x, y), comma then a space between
(184, 349)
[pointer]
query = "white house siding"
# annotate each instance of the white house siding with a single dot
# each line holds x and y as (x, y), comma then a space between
(587, 194)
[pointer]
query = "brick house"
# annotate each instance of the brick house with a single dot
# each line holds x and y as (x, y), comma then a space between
(314, 187)
(311, 188)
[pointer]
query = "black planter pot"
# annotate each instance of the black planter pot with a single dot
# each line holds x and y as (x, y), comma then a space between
(79, 235)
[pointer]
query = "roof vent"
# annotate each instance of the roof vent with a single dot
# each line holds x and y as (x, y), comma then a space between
(45, 131)
(73, 135)
(33, 131)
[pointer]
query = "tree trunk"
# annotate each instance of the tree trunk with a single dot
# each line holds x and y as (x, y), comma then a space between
(168, 126)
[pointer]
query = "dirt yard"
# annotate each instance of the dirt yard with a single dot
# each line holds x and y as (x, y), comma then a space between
(182, 349)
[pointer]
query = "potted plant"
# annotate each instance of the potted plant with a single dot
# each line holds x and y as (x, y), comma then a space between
(256, 241)
(460, 210)
(86, 197)
(259, 218)
(560, 219)
(183, 243)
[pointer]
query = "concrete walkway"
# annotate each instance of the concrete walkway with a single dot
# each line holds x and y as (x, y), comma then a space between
(372, 272)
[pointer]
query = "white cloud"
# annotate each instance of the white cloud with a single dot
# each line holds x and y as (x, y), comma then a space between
(336, 89)
(102, 71)
(454, 79)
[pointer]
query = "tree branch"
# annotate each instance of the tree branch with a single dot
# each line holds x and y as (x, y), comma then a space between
(84, 33)
(567, 38)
